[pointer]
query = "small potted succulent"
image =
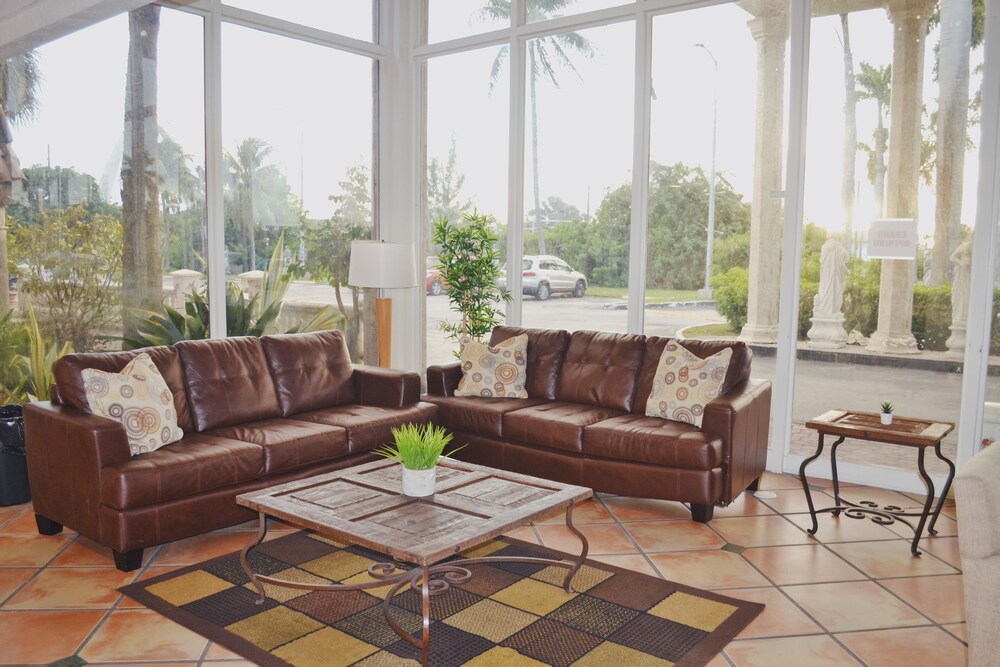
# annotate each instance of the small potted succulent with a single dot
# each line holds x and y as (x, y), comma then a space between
(417, 447)
(886, 413)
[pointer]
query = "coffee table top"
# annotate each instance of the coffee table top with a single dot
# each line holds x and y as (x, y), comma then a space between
(868, 426)
(363, 505)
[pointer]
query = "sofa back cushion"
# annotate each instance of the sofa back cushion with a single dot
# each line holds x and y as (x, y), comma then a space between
(67, 371)
(546, 350)
(738, 371)
(310, 371)
(228, 381)
(601, 369)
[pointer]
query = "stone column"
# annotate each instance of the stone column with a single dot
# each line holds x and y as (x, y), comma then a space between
(251, 282)
(770, 30)
(960, 286)
(893, 335)
(186, 281)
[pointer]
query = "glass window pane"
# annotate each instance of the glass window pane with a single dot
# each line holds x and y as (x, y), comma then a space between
(541, 10)
(353, 19)
(113, 214)
(451, 19)
(872, 329)
(467, 152)
(298, 174)
(578, 195)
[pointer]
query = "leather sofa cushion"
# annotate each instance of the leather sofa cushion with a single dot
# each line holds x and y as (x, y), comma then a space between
(601, 369)
(68, 369)
(228, 381)
(290, 443)
(546, 350)
(370, 426)
(555, 424)
(310, 371)
(737, 373)
(651, 440)
(482, 416)
(196, 464)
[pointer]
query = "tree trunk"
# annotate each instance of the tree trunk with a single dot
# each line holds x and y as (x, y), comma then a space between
(881, 146)
(534, 150)
(141, 232)
(847, 193)
(952, 121)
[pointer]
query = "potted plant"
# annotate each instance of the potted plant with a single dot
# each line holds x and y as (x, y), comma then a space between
(417, 447)
(469, 262)
(886, 412)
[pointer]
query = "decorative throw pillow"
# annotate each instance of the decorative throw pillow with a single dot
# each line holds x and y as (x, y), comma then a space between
(497, 371)
(138, 397)
(684, 383)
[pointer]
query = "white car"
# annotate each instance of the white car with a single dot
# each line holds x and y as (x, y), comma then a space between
(543, 275)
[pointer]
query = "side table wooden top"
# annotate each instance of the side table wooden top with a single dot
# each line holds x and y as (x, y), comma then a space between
(868, 426)
(363, 505)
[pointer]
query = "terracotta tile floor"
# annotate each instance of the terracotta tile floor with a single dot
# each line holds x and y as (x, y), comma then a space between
(851, 596)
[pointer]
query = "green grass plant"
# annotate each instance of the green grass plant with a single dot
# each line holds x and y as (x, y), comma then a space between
(887, 407)
(417, 446)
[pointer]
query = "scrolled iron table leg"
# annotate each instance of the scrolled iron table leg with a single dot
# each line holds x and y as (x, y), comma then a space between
(836, 478)
(929, 483)
(805, 485)
(245, 561)
(944, 492)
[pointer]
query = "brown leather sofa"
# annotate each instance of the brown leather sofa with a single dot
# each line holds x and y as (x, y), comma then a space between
(255, 412)
(584, 423)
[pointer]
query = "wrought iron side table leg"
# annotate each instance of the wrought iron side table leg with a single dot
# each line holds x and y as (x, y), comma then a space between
(805, 485)
(245, 562)
(944, 491)
(425, 604)
(929, 483)
(836, 479)
(583, 554)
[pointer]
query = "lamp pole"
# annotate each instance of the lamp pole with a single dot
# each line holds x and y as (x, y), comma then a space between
(706, 291)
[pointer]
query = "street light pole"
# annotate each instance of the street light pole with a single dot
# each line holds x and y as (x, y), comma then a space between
(706, 291)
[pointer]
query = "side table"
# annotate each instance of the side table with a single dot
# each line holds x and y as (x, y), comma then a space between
(904, 431)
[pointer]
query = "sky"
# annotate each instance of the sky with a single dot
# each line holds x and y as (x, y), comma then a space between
(313, 105)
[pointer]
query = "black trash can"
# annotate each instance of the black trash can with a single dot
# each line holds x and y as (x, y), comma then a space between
(13, 463)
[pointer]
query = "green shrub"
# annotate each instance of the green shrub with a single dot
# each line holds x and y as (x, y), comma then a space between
(807, 290)
(731, 295)
(932, 316)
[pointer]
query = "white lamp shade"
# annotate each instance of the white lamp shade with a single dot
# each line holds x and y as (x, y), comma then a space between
(382, 264)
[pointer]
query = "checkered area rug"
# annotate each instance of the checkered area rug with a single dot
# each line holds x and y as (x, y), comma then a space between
(507, 614)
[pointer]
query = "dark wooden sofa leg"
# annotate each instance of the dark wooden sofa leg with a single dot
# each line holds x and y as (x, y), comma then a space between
(128, 560)
(47, 526)
(754, 485)
(702, 513)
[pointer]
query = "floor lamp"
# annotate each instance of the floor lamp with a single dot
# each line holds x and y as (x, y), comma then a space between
(382, 265)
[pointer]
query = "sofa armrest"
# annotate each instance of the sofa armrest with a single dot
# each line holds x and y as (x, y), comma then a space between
(742, 419)
(386, 387)
(442, 379)
(66, 450)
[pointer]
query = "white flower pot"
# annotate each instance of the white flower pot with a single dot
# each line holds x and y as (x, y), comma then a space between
(886, 418)
(419, 483)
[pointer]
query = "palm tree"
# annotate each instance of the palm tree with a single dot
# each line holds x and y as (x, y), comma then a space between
(179, 185)
(20, 82)
(847, 193)
(244, 170)
(875, 85)
(544, 55)
(142, 263)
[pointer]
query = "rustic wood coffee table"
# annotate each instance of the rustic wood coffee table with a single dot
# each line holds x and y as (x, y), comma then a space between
(922, 434)
(363, 505)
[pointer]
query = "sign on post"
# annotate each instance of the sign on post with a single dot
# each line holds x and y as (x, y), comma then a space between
(892, 238)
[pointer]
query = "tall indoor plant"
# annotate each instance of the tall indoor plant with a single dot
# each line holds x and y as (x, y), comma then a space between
(470, 266)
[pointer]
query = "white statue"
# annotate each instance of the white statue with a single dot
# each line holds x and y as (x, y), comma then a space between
(962, 259)
(829, 300)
